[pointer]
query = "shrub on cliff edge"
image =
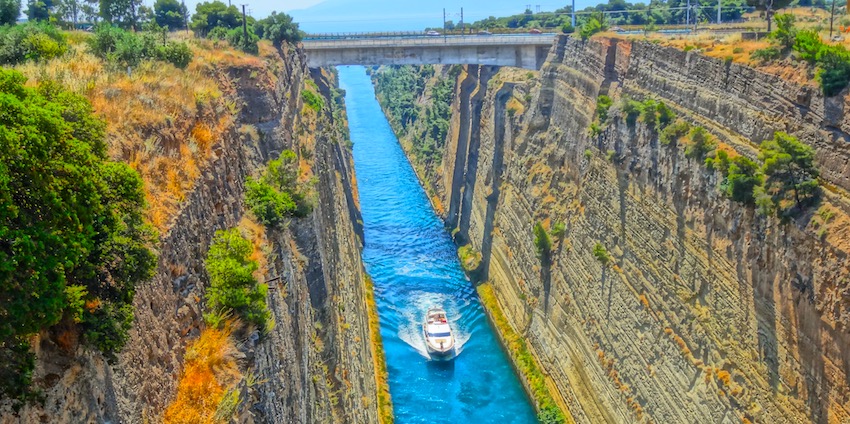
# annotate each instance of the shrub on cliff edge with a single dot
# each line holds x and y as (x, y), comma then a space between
(75, 242)
(790, 172)
(232, 283)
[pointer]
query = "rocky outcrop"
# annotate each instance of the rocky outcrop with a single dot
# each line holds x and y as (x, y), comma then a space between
(316, 364)
(709, 312)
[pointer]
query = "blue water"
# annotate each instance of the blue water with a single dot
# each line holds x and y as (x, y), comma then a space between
(413, 264)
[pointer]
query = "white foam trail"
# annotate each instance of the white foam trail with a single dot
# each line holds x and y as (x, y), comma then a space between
(410, 325)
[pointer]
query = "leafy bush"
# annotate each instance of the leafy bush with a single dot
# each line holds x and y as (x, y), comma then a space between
(834, 73)
(312, 100)
(742, 178)
(9, 11)
(542, 243)
(268, 204)
(766, 54)
(87, 231)
(649, 113)
(632, 109)
(592, 26)
(785, 34)
(601, 254)
(833, 61)
(568, 28)
(674, 132)
(665, 115)
(177, 54)
(789, 170)
(603, 103)
(232, 283)
(32, 41)
(125, 48)
(808, 44)
(279, 28)
(277, 194)
(218, 34)
(236, 38)
(559, 230)
(701, 142)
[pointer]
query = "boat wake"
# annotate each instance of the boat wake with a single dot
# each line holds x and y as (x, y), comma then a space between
(410, 323)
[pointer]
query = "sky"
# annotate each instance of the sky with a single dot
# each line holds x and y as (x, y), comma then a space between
(386, 15)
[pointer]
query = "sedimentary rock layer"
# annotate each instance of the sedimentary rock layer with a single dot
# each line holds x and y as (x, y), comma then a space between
(316, 364)
(709, 312)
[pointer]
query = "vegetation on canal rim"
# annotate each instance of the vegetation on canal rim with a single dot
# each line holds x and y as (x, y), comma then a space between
(385, 404)
(832, 61)
(277, 193)
(75, 241)
(548, 410)
(428, 125)
(233, 286)
(470, 258)
(542, 243)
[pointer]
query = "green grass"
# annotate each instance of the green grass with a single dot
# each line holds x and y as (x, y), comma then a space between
(385, 404)
(523, 359)
(470, 258)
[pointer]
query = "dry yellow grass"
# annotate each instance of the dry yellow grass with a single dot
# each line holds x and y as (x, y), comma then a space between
(256, 232)
(161, 120)
(209, 372)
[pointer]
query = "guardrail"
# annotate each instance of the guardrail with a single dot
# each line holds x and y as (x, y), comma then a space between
(454, 40)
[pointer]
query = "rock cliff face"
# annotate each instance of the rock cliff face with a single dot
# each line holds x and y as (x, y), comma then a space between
(316, 365)
(709, 311)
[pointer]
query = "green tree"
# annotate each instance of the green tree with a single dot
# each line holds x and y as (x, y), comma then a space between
(768, 6)
(279, 28)
(122, 13)
(39, 10)
(68, 217)
(789, 169)
(171, 14)
(30, 41)
(741, 180)
(785, 34)
(701, 142)
(232, 283)
(10, 10)
(542, 242)
(209, 15)
(601, 254)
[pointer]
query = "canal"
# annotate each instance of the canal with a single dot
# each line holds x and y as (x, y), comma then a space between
(412, 261)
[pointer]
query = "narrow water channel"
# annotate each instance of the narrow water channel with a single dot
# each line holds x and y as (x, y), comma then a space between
(413, 263)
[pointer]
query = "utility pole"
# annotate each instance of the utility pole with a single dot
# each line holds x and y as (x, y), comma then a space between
(444, 21)
(244, 24)
(719, 18)
(537, 8)
(688, 14)
(573, 19)
(696, 15)
(831, 19)
(463, 24)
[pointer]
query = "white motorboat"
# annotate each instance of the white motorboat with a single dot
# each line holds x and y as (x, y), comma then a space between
(438, 334)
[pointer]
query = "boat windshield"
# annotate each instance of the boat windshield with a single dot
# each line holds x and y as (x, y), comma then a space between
(446, 334)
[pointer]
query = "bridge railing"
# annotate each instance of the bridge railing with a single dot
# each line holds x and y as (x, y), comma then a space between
(454, 40)
(352, 35)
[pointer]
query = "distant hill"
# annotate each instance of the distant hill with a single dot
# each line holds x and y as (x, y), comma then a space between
(387, 15)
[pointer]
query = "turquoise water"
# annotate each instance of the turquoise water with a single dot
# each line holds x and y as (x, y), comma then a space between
(413, 263)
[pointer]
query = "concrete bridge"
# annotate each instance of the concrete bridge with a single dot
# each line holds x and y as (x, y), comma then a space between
(521, 51)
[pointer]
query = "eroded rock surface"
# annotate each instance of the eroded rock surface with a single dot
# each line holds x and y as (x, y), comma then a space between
(709, 311)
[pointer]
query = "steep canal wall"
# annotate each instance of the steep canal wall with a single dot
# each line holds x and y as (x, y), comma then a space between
(317, 363)
(659, 299)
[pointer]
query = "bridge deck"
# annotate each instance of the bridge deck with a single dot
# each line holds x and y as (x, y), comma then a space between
(420, 41)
